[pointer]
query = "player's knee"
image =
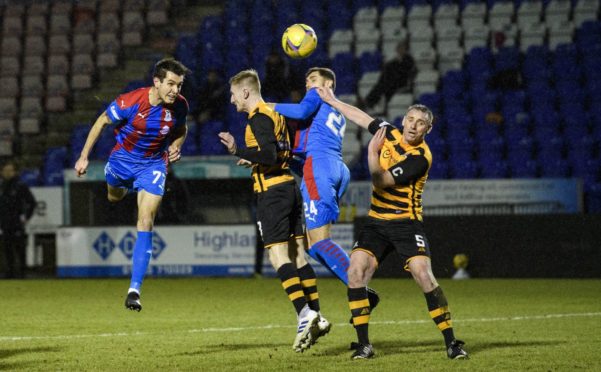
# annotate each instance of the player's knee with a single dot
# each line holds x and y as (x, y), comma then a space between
(425, 279)
(114, 198)
(356, 276)
(145, 223)
(278, 255)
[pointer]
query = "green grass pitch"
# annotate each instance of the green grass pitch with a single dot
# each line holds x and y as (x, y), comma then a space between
(249, 325)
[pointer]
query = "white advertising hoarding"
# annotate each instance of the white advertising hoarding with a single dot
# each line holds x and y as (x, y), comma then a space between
(48, 214)
(554, 195)
(177, 251)
(197, 250)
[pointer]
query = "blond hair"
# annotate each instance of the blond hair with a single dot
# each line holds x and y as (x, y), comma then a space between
(249, 77)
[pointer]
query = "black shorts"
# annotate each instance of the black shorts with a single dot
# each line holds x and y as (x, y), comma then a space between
(279, 214)
(380, 237)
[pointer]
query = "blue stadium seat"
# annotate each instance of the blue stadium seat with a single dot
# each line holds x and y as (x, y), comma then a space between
(566, 70)
(190, 146)
(433, 101)
(543, 133)
(587, 170)
(523, 169)
(495, 169)
(383, 4)
(344, 65)
(479, 59)
(545, 115)
(236, 34)
(507, 58)
(54, 162)
(488, 133)
(437, 144)
(461, 148)
(370, 62)
(463, 169)
(522, 147)
(516, 98)
(439, 169)
(478, 83)
(593, 198)
(566, 52)
(30, 177)
(339, 14)
(555, 168)
(535, 71)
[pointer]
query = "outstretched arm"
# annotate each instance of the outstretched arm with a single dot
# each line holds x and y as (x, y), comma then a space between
(82, 163)
(301, 110)
(352, 113)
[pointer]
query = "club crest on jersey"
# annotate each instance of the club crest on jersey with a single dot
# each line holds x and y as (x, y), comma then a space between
(164, 130)
(167, 115)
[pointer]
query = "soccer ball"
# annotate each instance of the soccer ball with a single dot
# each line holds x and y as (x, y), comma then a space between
(460, 261)
(299, 41)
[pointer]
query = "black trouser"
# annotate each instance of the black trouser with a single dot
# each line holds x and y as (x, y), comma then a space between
(14, 243)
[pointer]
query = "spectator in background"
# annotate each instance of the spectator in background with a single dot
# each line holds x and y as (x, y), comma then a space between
(397, 74)
(212, 98)
(276, 84)
(16, 205)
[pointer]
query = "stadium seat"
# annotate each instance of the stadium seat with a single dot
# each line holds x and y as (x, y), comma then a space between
(426, 81)
(463, 169)
(500, 15)
(529, 12)
(340, 42)
(557, 11)
(585, 10)
(370, 61)
(560, 32)
(523, 169)
(30, 177)
(439, 170)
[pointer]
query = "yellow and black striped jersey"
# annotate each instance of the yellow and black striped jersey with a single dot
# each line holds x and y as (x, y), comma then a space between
(267, 147)
(409, 166)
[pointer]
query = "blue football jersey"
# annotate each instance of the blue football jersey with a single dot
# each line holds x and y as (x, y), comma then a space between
(324, 126)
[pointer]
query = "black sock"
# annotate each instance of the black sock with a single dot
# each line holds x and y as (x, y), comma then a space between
(359, 305)
(439, 312)
(291, 283)
(309, 284)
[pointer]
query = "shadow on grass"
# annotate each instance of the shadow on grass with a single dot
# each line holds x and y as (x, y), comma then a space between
(483, 346)
(233, 347)
(386, 347)
(27, 350)
(4, 354)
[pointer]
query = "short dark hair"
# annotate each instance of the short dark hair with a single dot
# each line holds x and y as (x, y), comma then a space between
(168, 64)
(324, 72)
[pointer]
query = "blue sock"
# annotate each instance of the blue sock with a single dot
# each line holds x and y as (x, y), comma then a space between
(332, 256)
(140, 260)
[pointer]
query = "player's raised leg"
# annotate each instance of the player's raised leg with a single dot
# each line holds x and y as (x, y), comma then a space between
(421, 270)
(116, 194)
(148, 205)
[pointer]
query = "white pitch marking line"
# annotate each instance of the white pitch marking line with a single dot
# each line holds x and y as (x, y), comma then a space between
(274, 326)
